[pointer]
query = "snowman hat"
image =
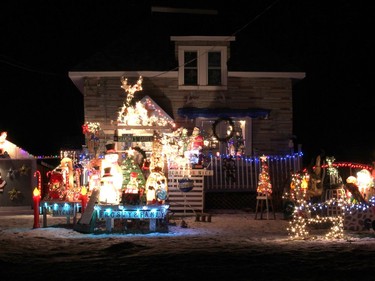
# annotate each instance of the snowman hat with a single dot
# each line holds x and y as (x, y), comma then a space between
(107, 172)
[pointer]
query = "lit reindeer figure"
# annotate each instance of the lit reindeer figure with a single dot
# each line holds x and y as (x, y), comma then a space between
(331, 179)
(130, 90)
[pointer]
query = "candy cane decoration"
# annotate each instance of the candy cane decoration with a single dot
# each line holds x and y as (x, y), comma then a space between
(39, 180)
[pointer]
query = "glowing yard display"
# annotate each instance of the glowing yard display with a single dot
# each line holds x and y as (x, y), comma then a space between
(142, 113)
(364, 182)
(302, 218)
(61, 209)
(354, 208)
(64, 209)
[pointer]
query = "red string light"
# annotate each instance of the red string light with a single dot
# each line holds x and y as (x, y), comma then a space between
(349, 165)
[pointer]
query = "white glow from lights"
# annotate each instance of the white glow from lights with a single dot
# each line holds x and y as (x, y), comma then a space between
(66, 206)
(364, 181)
(142, 114)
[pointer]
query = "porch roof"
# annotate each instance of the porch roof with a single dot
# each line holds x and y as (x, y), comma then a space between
(194, 112)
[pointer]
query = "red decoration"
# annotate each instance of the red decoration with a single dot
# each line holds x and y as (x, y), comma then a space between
(36, 200)
(84, 203)
(85, 129)
(39, 177)
(198, 142)
(349, 165)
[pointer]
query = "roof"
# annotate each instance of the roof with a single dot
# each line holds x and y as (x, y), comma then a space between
(146, 45)
(156, 110)
(194, 112)
(15, 152)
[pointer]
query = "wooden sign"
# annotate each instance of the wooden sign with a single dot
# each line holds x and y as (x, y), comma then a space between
(160, 213)
(132, 138)
(87, 215)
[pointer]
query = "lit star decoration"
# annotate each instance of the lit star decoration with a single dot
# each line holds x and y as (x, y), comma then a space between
(11, 173)
(14, 194)
(24, 170)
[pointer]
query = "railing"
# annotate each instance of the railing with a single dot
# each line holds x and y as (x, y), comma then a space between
(242, 173)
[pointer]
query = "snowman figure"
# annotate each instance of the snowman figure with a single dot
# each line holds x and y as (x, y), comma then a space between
(109, 194)
(111, 161)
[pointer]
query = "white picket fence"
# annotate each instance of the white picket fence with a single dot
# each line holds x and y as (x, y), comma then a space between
(228, 175)
(244, 175)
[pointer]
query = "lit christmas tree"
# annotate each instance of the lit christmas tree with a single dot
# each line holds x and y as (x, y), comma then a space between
(264, 183)
(129, 166)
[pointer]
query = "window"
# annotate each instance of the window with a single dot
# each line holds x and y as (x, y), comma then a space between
(191, 68)
(202, 66)
(214, 68)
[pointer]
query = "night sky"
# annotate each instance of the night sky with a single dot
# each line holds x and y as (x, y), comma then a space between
(41, 41)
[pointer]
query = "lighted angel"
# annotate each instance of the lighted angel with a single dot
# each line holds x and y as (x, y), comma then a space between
(142, 113)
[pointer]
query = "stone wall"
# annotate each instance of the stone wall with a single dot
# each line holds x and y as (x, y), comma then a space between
(17, 182)
(103, 98)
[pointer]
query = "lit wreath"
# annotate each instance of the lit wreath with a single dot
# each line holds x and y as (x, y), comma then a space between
(228, 136)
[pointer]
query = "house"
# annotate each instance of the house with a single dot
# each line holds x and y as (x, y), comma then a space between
(199, 78)
(18, 175)
(197, 72)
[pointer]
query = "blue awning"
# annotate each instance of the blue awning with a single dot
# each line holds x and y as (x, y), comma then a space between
(194, 112)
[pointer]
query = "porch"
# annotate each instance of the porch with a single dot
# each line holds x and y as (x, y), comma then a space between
(231, 183)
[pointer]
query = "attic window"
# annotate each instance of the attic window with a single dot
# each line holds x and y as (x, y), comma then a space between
(214, 68)
(202, 66)
(191, 68)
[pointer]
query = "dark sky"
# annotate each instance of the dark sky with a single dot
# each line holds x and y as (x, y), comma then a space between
(331, 41)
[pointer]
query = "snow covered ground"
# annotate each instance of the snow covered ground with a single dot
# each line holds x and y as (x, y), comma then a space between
(233, 246)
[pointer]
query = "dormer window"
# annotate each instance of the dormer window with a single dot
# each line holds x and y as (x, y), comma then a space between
(190, 68)
(214, 69)
(202, 62)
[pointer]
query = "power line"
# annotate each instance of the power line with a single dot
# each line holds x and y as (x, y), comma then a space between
(28, 68)
(233, 34)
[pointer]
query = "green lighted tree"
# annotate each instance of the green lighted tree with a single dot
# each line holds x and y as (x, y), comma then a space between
(129, 166)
